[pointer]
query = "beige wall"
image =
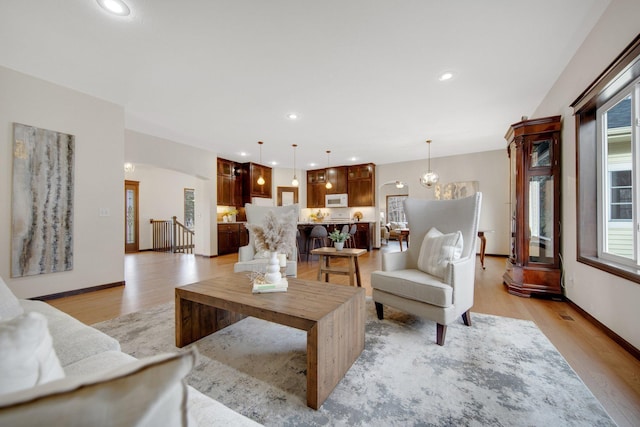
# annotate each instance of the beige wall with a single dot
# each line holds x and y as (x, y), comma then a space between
(610, 299)
(490, 169)
(98, 245)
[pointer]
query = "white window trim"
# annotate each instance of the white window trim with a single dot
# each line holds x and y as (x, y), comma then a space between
(603, 196)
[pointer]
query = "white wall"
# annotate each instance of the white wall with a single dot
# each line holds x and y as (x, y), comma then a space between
(610, 299)
(183, 159)
(281, 177)
(98, 248)
(161, 196)
(490, 169)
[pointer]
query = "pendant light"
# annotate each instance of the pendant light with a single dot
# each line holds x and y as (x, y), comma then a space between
(260, 178)
(294, 181)
(429, 178)
(328, 185)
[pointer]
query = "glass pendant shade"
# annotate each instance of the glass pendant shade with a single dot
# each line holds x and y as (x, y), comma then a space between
(429, 178)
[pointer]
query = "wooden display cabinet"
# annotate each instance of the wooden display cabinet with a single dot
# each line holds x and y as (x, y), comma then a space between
(533, 266)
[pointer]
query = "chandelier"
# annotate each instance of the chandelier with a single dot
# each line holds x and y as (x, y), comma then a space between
(429, 178)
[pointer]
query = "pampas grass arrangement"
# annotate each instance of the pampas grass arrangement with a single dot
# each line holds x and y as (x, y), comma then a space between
(275, 235)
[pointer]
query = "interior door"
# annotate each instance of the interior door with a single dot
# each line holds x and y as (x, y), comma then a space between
(131, 209)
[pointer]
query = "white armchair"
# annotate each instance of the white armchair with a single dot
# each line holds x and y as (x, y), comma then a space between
(251, 260)
(435, 277)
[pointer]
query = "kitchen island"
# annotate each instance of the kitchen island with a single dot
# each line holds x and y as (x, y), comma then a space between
(363, 237)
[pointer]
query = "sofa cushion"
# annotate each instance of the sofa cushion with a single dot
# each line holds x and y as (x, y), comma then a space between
(147, 392)
(72, 339)
(397, 225)
(413, 284)
(9, 304)
(438, 250)
(101, 362)
(27, 357)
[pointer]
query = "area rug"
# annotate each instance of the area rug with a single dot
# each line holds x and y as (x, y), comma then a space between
(498, 372)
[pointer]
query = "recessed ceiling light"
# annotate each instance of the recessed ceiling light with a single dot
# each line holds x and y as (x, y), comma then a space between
(313, 164)
(117, 7)
(274, 163)
(446, 76)
(353, 159)
(292, 116)
(243, 154)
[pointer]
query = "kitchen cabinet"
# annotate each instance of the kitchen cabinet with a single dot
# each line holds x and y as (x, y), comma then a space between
(316, 190)
(338, 178)
(364, 234)
(250, 187)
(229, 190)
(533, 265)
(361, 185)
(231, 236)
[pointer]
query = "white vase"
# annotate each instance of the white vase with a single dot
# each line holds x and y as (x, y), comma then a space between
(273, 269)
(338, 245)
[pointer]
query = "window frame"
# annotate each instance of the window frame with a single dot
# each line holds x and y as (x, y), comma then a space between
(621, 73)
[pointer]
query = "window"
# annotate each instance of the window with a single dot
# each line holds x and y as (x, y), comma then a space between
(617, 141)
(608, 166)
(190, 208)
(621, 196)
(395, 208)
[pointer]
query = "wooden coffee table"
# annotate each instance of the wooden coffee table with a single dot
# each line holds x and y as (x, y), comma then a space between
(332, 315)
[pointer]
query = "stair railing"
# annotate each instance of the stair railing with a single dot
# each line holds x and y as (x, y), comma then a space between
(171, 236)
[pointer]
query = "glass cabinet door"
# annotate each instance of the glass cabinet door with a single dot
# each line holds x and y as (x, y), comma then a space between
(541, 154)
(513, 171)
(541, 221)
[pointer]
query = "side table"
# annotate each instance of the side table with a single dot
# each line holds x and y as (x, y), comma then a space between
(353, 269)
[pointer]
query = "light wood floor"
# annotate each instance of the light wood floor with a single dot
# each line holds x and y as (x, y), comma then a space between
(610, 372)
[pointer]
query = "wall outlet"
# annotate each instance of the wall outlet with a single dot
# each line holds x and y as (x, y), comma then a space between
(104, 212)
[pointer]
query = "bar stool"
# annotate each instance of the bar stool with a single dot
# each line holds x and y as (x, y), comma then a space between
(352, 235)
(345, 230)
(297, 244)
(318, 234)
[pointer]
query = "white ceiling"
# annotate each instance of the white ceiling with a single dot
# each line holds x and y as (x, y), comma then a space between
(362, 74)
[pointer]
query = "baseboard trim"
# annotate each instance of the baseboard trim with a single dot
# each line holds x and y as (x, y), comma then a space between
(617, 338)
(78, 291)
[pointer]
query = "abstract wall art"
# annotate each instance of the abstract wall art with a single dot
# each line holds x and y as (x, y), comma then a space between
(456, 190)
(42, 201)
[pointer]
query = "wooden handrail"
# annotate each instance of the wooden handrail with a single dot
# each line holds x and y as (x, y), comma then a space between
(171, 236)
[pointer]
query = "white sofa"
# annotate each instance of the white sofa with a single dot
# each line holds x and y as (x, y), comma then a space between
(121, 389)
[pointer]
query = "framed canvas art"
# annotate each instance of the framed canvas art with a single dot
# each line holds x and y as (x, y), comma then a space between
(42, 201)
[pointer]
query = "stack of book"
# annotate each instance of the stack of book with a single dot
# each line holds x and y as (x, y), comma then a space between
(261, 288)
